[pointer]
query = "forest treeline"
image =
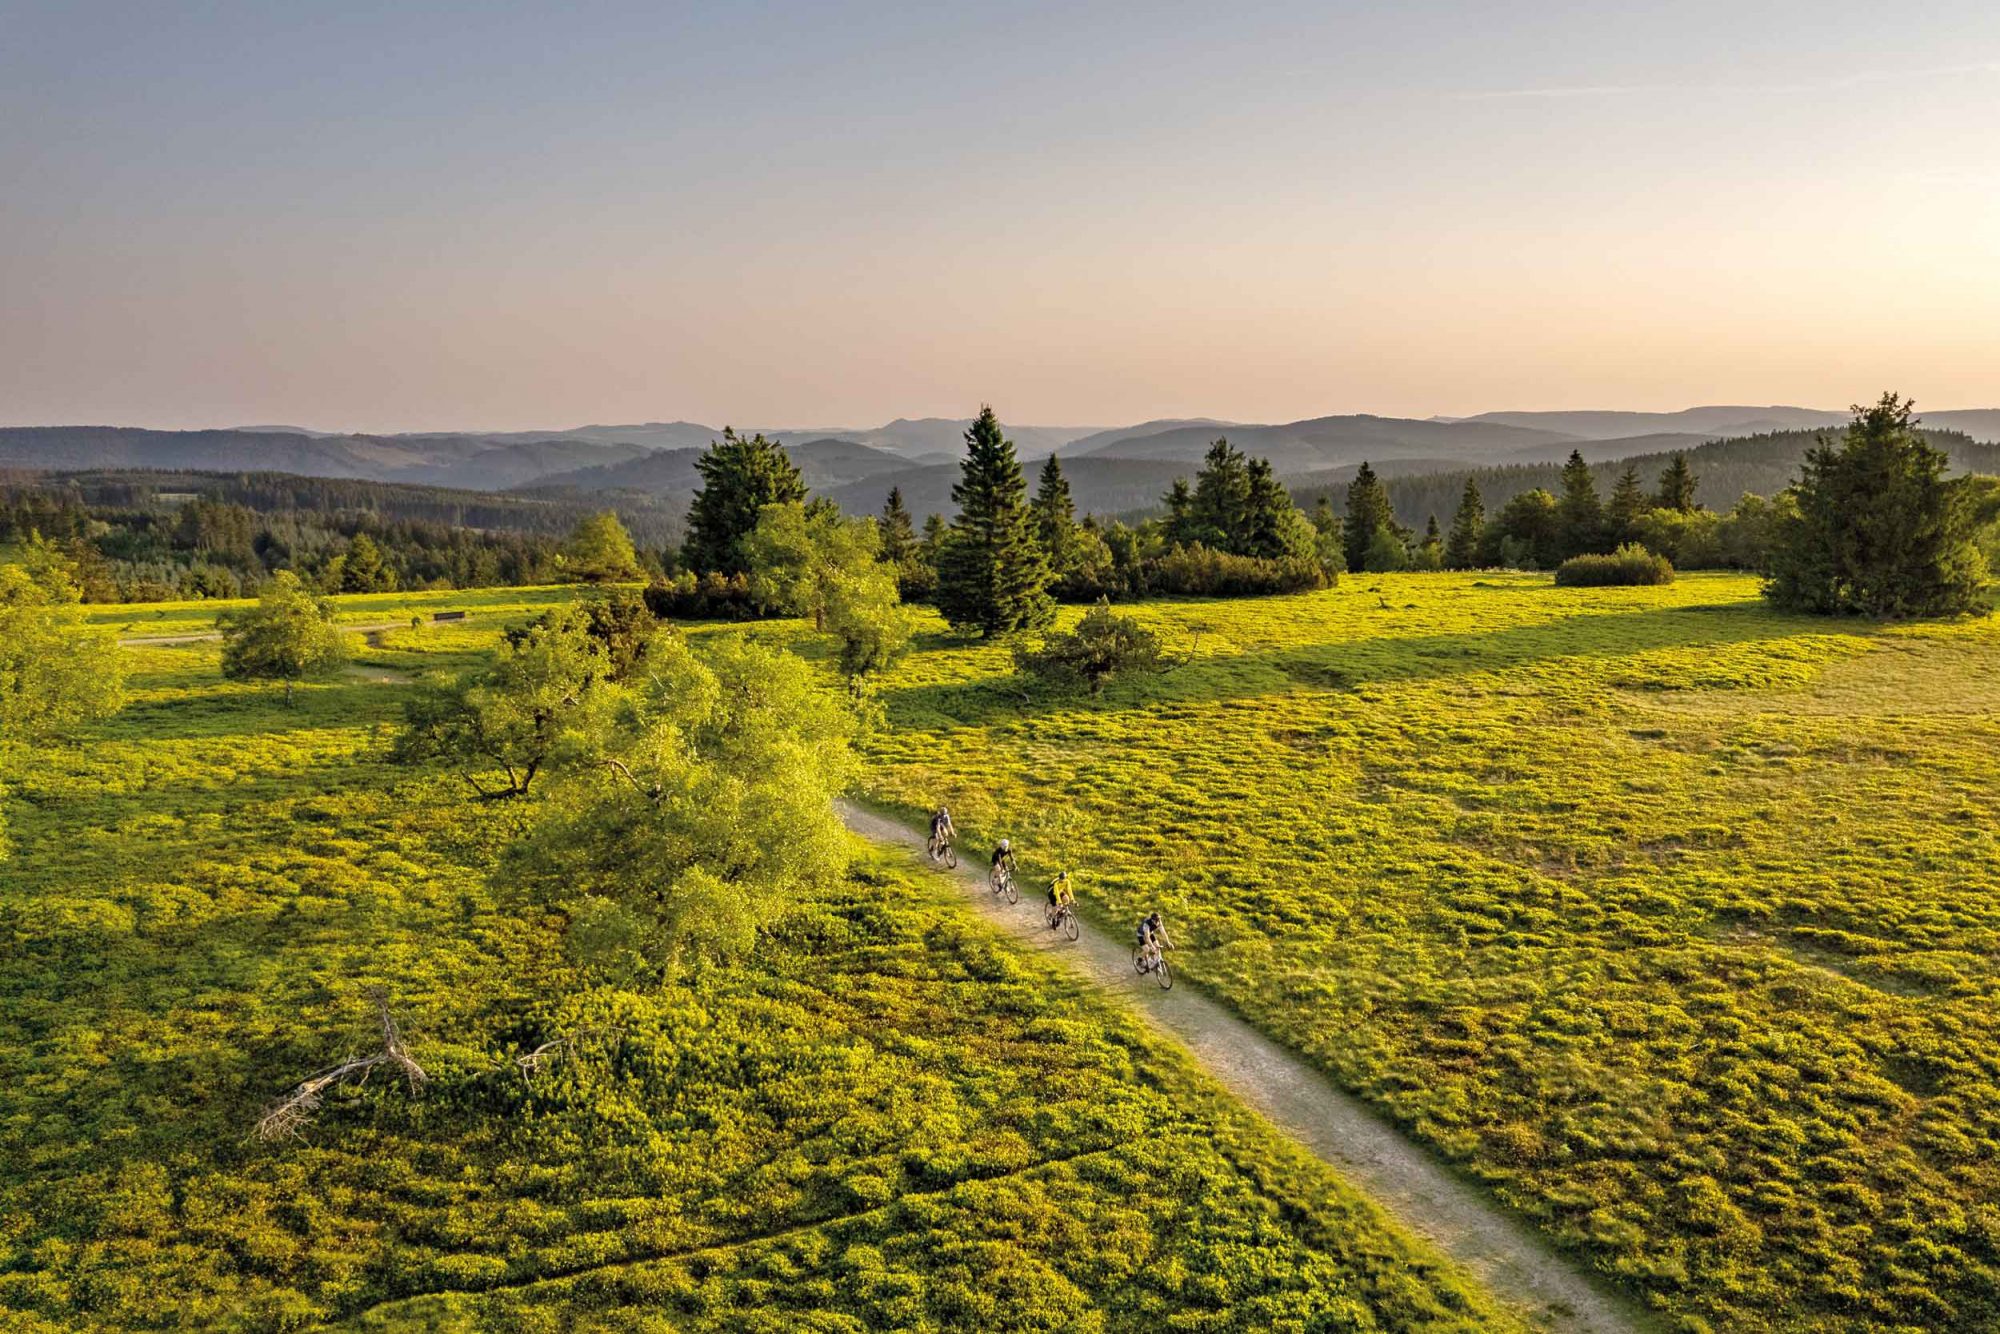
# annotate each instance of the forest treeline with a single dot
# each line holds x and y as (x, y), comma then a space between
(137, 536)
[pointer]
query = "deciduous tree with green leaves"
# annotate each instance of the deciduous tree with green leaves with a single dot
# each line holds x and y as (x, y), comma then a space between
(1104, 645)
(56, 673)
(814, 562)
(289, 635)
(992, 575)
(600, 551)
(545, 702)
(738, 478)
(711, 810)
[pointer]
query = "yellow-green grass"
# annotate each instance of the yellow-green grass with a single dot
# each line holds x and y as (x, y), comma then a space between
(1672, 918)
(886, 1118)
(161, 619)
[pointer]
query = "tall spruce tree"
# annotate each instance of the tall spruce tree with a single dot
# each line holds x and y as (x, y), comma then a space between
(1580, 512)
(1055, 516)
(992, 575)
(1676, 486)
(1628, 506)
(1368, 509)
(1268, 515)
(739, 477)
(1879, 529)
(1221, 510)
(898, 533)
(1179, 501)
(1468, 526)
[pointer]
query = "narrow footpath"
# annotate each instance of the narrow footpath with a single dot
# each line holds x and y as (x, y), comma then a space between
(1515, 1263)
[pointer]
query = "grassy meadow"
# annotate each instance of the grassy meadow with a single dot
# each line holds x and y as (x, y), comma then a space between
(1671, 918)
(886, 1119)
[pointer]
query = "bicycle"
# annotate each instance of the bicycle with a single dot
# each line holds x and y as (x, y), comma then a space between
(1001, 882)
(943, 853)
(1062, 918)
(1152, 959)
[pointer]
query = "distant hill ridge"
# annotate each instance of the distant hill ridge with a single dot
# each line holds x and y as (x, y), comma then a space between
(1116, 465)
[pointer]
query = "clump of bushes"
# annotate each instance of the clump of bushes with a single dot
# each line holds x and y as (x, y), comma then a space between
(710, 597)
(1205, 572)
(1631, 564)
(1103, 645)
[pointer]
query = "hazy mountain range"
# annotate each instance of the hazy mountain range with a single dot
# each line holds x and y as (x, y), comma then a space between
(1113, 470)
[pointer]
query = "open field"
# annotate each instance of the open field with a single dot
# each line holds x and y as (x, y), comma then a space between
(1671, 919)
(147, 620)
(887, 1119)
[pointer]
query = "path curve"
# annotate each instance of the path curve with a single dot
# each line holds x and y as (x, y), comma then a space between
(1514, 1262)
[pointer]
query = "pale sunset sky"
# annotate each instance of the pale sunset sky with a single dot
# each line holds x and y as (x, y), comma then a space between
(364, 216)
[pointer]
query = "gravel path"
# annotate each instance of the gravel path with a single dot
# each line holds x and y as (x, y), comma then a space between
(1505, 1253)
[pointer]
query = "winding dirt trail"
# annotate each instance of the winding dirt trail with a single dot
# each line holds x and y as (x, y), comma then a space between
(1503, 1252)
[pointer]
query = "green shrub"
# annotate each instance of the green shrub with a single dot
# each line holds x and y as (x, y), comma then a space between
(1204, 572)
(1629, 566)
(1103, 645)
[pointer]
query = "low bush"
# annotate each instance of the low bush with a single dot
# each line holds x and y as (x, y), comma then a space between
(1103, 645)
(1630, 565)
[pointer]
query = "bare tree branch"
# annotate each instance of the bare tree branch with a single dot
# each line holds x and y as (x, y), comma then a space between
(290, 1114)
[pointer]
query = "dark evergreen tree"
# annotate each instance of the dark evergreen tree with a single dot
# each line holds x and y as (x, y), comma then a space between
(1580, 513)
(1268, 512)
(1055, 516)
(1879, 529)
(1628, 506)
(1468, 526)
(1179, 501)
(898, 533)
(739, 477)
(1221, 511)
(992, 575)
(362, 571)
(1367, 510)
(1676, 486)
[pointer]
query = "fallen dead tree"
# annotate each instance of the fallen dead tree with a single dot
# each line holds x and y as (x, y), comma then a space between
(291, 1113)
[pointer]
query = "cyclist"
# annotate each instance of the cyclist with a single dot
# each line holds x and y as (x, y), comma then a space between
(1060, 894)
(1152, 939)
(1003, 864)
(942, 832)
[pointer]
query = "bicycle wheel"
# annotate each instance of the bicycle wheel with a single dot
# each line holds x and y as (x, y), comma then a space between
(1139, 960)
(1166, 974)
(951, 856)
(1070, 926)
(1007, 889)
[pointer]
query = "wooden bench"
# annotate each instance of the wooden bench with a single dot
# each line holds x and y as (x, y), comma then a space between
(447, 616)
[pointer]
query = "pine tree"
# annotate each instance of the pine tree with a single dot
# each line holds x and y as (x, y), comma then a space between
(1268, 515)
(1332, 553)
(739, 477)
(991, 573)
(1879, 529)
(899, 534)
(1580, 513)
(1368, 509)
(1221, 510)
(1429, 555)
(1179, 501)
(1628, 505)
(1468, 527)
(1677, 482)
(1055, 516)
(362, 571)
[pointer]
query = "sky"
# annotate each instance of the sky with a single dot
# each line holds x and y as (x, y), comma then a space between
(377, 217)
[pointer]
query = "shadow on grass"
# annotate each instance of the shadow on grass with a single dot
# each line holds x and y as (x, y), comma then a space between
(1351, 664)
